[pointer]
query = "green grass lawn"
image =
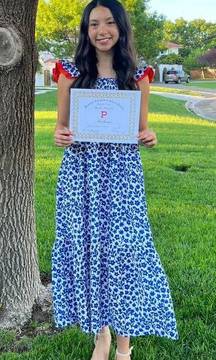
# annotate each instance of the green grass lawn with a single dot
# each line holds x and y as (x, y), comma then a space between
(174, 90)
(203, 84)
(181, 207)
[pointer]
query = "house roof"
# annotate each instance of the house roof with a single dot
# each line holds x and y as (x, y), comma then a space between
(171, 45)
(50, 61)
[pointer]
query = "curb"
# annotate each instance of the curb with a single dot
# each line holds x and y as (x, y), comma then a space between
(195, 107)
(204, 107)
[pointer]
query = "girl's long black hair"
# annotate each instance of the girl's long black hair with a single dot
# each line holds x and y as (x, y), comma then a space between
(124, 62)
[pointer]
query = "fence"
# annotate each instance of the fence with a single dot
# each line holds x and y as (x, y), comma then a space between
(203, 74)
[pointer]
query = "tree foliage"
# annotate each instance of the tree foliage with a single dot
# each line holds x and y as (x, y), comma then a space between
(191, 61)
(58, 26)
(196, 37)
(195, 34)
(208, 58)
(171, 59)
(147, 28)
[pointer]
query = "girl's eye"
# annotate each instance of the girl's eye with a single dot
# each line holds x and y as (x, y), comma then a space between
(109, 23)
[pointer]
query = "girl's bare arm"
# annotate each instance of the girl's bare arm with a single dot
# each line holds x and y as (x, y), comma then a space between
(146, 136)
(63, 136)
(145, 89)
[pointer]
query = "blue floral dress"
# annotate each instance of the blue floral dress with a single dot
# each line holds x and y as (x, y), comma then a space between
(105, 269)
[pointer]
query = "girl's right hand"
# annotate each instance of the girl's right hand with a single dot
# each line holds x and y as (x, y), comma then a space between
(63, 137)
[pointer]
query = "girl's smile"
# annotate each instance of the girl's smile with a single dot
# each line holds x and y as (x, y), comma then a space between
(102, 31)
(103, 41)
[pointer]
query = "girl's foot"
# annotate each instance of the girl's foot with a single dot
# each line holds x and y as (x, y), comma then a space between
(123, 356)
(102, 345)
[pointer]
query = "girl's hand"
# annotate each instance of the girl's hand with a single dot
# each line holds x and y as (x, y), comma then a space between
(63, 137)
(147, 138)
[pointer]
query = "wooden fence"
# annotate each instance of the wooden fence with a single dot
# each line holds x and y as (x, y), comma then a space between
(205, 73)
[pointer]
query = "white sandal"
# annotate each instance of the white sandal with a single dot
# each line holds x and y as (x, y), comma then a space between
(124, 354)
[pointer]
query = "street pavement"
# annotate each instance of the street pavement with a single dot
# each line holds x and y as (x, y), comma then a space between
(203, 105)
(204, 108)
(43, 90)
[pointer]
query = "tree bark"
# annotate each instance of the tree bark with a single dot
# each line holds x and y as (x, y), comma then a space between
(20, 283)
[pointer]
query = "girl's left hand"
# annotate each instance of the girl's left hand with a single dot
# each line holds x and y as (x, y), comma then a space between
(148, 138)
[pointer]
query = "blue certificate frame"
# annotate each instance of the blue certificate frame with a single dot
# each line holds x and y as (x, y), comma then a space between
(107, 116)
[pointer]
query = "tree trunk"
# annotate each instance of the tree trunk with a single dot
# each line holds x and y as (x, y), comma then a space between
(20, 283)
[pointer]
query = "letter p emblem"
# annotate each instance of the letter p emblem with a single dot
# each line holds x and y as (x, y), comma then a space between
(103, 114)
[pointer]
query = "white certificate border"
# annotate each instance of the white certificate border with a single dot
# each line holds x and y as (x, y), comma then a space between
(100, 95)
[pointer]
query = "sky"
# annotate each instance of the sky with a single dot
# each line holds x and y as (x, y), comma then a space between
(188, 9)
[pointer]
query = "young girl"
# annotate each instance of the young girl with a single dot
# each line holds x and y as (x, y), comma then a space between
(105, 269)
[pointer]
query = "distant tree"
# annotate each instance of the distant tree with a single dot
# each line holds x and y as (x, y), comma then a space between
(174, 31)
(147, 28)
(152, 37)
(191, 61)
(209, 58)
(195, 34)
(57, 28)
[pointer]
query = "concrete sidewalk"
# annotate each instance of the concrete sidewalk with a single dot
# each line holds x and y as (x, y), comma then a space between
(43, 90)
(203, 105)
(205, 91)
(175, 96)
(204, 108)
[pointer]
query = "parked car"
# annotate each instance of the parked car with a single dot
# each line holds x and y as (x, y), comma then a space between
(176, 76)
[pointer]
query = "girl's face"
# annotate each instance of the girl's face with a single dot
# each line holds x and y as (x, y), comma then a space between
(102, 31)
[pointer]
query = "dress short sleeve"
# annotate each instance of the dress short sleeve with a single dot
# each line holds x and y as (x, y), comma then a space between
(144, 71)
(65, 67)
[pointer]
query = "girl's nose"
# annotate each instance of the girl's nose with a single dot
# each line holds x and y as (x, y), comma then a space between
(102, 29)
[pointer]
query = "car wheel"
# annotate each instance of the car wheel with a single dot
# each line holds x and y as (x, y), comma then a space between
(188, 80)
(179, 81)
(166, 82)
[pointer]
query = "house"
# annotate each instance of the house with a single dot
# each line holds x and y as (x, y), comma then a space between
(170, 48)
(47, 62)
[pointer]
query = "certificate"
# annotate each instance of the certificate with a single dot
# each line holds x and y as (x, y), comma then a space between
(107, 116)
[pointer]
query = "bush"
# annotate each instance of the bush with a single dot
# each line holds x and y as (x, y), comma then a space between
(191, 61)
(171, 59)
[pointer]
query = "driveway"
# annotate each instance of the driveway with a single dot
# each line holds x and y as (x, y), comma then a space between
(203, 105)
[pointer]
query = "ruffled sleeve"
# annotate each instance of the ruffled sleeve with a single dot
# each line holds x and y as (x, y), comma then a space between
(142, 72)
(65, 67)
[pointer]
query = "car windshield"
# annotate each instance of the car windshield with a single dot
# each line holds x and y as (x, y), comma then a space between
(171, 72)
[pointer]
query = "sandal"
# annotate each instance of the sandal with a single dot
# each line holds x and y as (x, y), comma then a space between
(124, 354)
